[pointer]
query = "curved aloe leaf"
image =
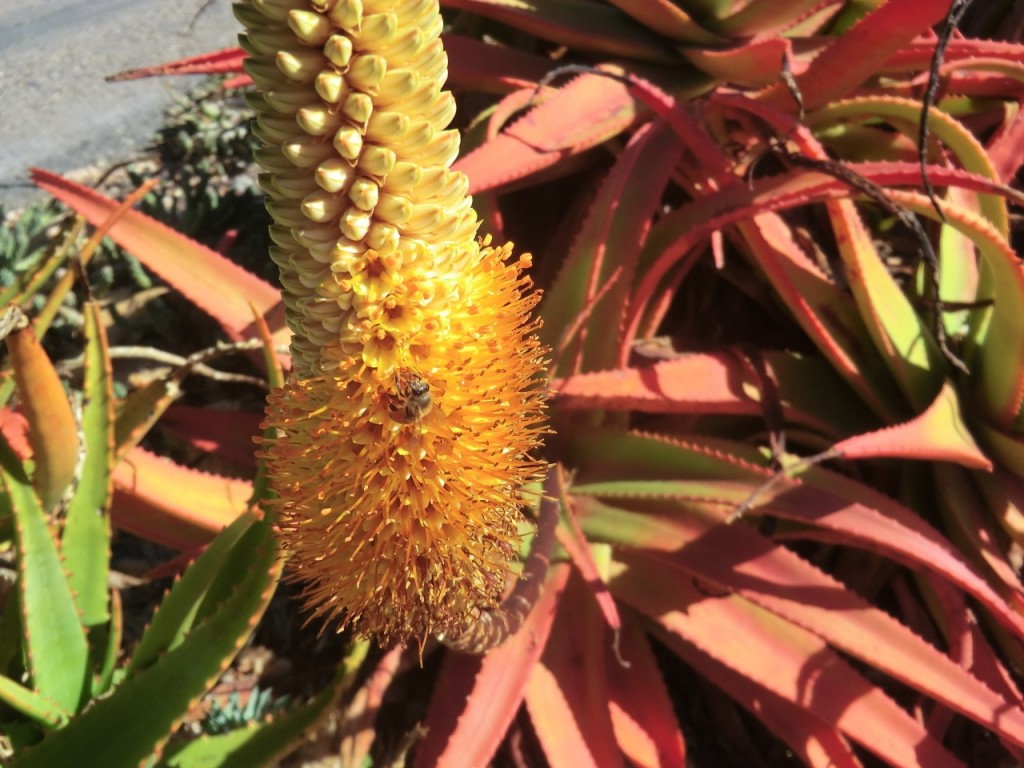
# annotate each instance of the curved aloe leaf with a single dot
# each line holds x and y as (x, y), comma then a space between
(174, 505)
(905, 114)
(52, 429)
(567, 696)
(669, 20)
(775, 653)
(721, 383)
(140, 410)
(609, 243)
(476, 698)
(762, 17)
(641, 709)
(219, 287)
(31, 704)
(780, 581)
(580, 115)
(938, 434)
(857, 55)
(1000, 377)
(580, 24)
(58, 655)
(85, 543)
(716, 476)
(751, 64)
(802, 670)
(180, 607)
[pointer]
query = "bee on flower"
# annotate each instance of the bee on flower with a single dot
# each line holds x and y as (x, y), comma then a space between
(415, 406)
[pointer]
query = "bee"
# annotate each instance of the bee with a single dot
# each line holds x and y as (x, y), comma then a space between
(412, 401)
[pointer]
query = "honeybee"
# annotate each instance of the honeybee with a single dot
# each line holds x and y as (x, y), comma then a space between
(412, 400)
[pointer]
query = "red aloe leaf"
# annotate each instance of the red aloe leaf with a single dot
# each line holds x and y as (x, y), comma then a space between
(229, 434)
(238, 81)
(476, 697)
(917, 55)
(937, 434)
(670, 20)
(571, 537)
(685, 229)
(217, 286)
(14, 427)
(566, 695)
(472, 64)
(174, 505)
(213, 63)
(968, 645)
(859, 53)
(905, 114)
(479, 66)
(579, 24)
(641, 709)
(778, 580)
(825, 312)
(721, 383)
(611, 239)
(972, 522)
(812, 740)
(752, 64)
(587, 111)
(724, 475)
(774, 653)
(846, 514)
(52, 429)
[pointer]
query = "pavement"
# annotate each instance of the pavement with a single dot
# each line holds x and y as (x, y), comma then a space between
(56, 110)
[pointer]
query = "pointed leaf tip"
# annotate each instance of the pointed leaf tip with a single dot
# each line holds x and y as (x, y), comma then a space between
(937, 434)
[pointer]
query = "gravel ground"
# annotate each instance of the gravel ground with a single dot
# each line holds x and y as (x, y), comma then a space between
(58, 112)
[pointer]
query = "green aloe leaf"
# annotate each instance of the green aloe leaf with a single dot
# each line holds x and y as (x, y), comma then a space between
(31, 704)
(140, 410)
(130, 724)
(85, 543)
(57, 651)
(114, 633)
(180, 608)
(263, 742)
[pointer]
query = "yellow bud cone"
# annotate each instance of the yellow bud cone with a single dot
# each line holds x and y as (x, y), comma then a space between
(407, 429)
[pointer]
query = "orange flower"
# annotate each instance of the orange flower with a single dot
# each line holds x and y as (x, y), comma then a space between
(406, 433)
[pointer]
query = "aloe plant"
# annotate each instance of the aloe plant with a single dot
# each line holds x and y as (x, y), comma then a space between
(708, 197)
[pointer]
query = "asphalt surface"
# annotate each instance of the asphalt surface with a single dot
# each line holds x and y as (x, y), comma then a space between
(56, 111)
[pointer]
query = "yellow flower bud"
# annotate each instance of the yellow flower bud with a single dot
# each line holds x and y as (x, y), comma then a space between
(407, 428)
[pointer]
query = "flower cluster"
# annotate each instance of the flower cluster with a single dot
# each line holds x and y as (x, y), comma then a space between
(405, 433)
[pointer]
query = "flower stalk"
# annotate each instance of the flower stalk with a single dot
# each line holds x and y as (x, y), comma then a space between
(408, 426)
